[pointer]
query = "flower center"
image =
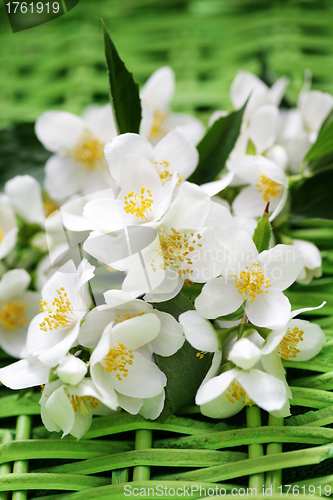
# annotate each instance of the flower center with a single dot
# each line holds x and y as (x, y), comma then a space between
(123, 317)
(49, 207)
(89, 151)
(235, 392)
(1, 234)
(267, 187)
(12, 315)
(139, 204)
(117, 359)
(82, 403)
(251, 283)
(164, 173)
(60, 312)
(157, 129)
(176, 249)
(287, 348)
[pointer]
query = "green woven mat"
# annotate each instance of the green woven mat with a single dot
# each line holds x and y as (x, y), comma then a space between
(60, 65)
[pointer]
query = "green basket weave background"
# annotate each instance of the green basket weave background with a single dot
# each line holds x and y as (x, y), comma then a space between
(60, 65)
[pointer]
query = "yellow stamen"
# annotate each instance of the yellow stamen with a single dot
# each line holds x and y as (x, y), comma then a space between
(157, 129)
(117, 359)
(49, 207)
(89, 151)
(287, 347)
(60, 312)
(1, 234)
(267, 187)
(126, 316)
(12, 315)
(165, 174)
(83, 403)
(175, 248)
(199, 355)
(138, 204)
(251, 283)
(235, 392)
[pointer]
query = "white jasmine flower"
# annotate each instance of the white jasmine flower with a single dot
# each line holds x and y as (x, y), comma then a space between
(117, 368)
(312, 261)
(65, 302)
(121, 307)
(17, 308)
(8, 227)
(69, 408)
(78, 165)
(226, 394)
(24, 373)
(267, 182)
(174, 154)
(248, 86)
(157, 120)
(298, 340)
(257, 280)
(143, 200)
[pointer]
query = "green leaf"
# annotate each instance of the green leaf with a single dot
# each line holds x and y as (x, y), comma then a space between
(313, 197)
(21, 153)
(184, 370)
(125, 98)
(323, 145)
(216, 146)
(263, 232)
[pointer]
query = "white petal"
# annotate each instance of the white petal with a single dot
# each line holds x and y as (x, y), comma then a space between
(58, 130)
(100, 121)
(103, 381)
(306, 309)
(123, 145)
(58, 410)
(171, 336)
(244, 354)
(192, 128)
(214, 187)
(182, 157)
(214, 368)
(8, 242)
(315, 106)
(273, 340)
(218, 298)
(218, 217)
(189, 210)
(310, 253)
(152, 407)
(215, 386)
(221, 407)
(281, 265)
(63, 177)
(94, 324)
(144, 379)
(159, 88)
(22, 374)
(249, 202)
(131, 405)
(25, 195)
(269, 310)
(263, 127)
(244, 85)
(13, 283)
(266, 391)
(136, 332)
(138, 172)
(198, 331)
(71, 370)
(277, 90)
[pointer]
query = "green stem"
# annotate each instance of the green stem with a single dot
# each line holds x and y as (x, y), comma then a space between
(253, 419)
(274, 477)
(23, 428)
(5, 468)
(242, 326)
(143, 440)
